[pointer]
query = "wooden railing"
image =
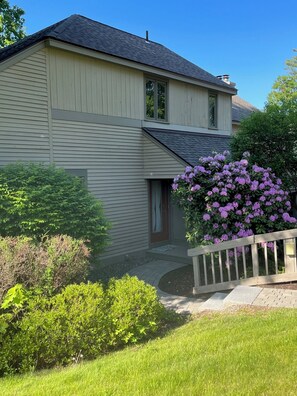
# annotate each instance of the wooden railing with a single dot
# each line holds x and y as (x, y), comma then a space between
(255, 260)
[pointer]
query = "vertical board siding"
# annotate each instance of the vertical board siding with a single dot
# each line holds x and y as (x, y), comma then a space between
(158, 163)
(188, 105)
(113, 157)
(82, 84)
(24, 129)
(225, 112)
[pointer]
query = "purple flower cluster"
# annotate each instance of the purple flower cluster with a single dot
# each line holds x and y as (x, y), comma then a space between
(225, 200)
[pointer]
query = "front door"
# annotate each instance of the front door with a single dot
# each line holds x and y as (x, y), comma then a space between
(159, 203)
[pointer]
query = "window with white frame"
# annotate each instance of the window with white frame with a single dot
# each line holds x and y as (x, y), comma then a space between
(155, 99)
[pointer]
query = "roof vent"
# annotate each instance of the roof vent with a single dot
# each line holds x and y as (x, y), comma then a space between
(226, 79)
(147, 36)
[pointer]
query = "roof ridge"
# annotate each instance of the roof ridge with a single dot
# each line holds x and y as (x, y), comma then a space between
(119, 30)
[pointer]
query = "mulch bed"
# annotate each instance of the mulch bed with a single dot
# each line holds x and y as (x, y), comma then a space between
(180, 282)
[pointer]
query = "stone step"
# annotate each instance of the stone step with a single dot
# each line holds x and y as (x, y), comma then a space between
(214, 303)
(242, 295)
(173, 253)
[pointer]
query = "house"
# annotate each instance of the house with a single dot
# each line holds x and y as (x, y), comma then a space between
(241, 109)
(125, 113)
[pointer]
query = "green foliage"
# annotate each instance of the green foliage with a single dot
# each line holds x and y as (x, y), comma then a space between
(38, 200)
(11, 23)
(284, 90)
(135, 310)
(70, 326)
(82, 322)
(271, 136)
(48, 265)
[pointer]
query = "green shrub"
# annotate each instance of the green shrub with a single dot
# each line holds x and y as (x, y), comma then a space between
(135, 310)
(57, 331)
(51, 264)
(38, 200)
(81, 322)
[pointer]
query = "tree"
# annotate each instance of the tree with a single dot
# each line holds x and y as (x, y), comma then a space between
(38, 200)
(284, 90)
(11, 23)
(271, 136)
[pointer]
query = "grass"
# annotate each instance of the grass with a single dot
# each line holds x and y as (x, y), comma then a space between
(243, 353)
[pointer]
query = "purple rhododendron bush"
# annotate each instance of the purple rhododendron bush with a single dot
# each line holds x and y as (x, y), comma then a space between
(225, 200)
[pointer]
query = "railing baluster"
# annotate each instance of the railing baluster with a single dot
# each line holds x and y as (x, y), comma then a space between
(205, 270)
(244, 262)
(236, 264)
(255, 259)
(221, 267)
(266, 258)
(228, 265)
(275, 257)
(196, 268)
(213, 270)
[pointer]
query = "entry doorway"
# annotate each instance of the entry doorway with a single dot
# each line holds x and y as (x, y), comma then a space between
(159, 211)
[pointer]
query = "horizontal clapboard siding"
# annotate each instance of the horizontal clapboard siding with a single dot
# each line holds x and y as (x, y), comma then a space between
(113, 157)
(82, 84)
(24, 127)
(158, 163)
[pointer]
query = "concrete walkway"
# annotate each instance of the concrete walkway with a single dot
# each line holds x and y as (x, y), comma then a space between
(153, 271)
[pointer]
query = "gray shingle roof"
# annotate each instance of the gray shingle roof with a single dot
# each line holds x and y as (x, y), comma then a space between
(241, 109)
(84, 32)
(190, 146)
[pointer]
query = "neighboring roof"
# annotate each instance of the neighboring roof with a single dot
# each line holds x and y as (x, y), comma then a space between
(84, 32)
(241, 109)
(190, 146)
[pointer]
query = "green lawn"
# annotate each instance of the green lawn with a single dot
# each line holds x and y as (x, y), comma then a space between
(246, 353)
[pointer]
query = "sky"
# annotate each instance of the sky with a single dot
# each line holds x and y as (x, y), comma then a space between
(249, 40)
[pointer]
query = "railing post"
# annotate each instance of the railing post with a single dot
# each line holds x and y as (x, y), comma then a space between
(290, 255)
(255, 259)
(196, 274)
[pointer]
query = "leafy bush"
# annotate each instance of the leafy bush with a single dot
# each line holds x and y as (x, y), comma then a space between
(38, 200)
(81, 322)
(50, 265)
(61, 329)
(135, 310)
(225, 200)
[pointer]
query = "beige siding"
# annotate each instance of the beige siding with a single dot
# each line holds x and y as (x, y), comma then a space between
(188, 106)
(159, 163)
(113, 157)
(83, 84)
(24, 128)
(224, 112)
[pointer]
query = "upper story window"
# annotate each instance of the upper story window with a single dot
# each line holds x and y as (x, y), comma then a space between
(155, 99)
(212, 110)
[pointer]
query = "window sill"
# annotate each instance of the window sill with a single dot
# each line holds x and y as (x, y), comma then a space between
(156, 121)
